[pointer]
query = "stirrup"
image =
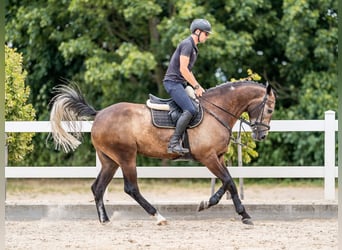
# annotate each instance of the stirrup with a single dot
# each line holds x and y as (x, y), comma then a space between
(178, 149)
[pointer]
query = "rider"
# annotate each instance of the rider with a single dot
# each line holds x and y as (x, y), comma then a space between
(179, 74)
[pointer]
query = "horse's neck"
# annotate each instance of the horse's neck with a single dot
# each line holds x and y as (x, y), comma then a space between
(235, 100)
(241, 98)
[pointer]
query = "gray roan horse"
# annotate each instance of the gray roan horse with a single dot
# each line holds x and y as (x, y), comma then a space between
(123, 130)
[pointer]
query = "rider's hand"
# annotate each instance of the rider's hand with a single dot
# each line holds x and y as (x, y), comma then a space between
(199, 91)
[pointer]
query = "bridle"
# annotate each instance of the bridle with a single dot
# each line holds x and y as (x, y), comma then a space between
(258, 122)
(255, 125)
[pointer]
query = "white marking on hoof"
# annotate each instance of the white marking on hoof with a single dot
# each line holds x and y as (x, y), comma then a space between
(160, 219)
(203, 205)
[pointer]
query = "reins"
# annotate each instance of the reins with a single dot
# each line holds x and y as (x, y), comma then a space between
(224, 124)
(243, 120)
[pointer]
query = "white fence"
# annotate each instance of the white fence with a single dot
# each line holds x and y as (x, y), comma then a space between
(329, 171)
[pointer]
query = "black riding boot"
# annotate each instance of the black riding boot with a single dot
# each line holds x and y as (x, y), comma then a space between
(175, 145)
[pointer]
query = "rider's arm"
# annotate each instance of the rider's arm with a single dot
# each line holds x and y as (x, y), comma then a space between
(188, 75)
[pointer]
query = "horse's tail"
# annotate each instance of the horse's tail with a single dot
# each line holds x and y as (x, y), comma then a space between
(70, 106)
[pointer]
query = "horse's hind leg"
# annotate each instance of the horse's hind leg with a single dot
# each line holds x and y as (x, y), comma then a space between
(98, 188)
(131, 187)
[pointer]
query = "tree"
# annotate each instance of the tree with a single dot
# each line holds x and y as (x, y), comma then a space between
(119, 50)
(309, 67)
(17, 108)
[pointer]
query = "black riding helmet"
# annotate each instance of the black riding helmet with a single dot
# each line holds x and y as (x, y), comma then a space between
(201, 24)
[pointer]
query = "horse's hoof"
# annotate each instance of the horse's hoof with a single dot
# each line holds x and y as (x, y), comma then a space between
(247, 221)
(162, 223)
(203, 205)
(106, 222)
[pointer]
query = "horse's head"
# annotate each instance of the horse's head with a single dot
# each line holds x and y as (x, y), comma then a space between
(260, 114)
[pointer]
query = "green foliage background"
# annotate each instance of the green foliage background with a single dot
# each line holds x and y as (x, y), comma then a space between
(118, 50)
(17, 108)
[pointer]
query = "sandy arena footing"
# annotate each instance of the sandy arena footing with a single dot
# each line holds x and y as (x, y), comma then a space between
(180, 210)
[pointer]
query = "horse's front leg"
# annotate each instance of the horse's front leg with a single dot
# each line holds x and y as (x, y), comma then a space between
(240, 209)
(222, 173)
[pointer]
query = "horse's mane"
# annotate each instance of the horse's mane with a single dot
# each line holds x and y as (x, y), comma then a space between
(228, 86)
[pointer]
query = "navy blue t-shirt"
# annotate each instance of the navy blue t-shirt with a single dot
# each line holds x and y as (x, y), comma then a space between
(186, 48)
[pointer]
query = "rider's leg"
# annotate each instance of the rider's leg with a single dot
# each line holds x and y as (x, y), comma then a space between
(175, 144)
(179, 95)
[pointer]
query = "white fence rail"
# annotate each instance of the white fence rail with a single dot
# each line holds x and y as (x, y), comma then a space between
(329, 171)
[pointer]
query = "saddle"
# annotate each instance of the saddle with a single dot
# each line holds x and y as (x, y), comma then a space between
(165, 112)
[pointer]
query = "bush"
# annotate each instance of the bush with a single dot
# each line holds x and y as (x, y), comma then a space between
(16, 107)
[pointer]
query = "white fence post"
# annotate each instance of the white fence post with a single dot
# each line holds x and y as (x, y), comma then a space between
(240, 164)
(97, 164)
(329, 155)
(6, 163)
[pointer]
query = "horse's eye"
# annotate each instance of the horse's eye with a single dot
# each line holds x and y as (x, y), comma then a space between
(270, 111)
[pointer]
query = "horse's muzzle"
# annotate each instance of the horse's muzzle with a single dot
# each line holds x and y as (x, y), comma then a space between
(259, 131)
(259, 135)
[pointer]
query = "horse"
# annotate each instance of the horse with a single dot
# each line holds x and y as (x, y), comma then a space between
(123, 130)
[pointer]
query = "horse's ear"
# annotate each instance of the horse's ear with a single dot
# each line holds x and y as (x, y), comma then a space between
(268, 88)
